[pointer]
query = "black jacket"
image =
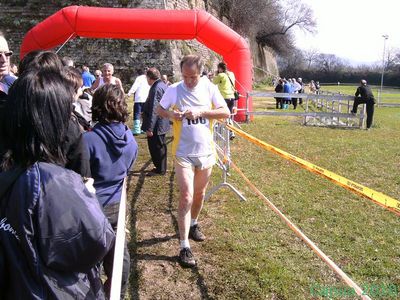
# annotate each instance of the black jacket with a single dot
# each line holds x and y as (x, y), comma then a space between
(3, 99)
(151, 121)
(53, 234)
(365, 93)
(75, 149)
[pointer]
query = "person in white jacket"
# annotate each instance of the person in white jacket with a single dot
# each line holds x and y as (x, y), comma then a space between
(140, 89)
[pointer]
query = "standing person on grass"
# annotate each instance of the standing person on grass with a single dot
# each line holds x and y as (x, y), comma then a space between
(155, 127)
(225, 80)
(140, 90)
(112, 151)
(364, 95)
(192, 105)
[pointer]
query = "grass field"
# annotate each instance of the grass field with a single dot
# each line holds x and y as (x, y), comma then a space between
(252, 254)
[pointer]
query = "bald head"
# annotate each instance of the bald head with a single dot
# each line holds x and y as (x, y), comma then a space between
(363, 82)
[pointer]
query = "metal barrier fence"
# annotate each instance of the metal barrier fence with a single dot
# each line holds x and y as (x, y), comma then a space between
(222, 146)
(323, 109)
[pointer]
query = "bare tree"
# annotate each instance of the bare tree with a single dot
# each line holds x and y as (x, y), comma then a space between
(291, 65)
(392, 60)
(270, 21)
(310, 56)
(329, 62)
(282, 19)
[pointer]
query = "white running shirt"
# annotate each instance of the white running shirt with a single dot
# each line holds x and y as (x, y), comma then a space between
(140, 88)
(192, 138)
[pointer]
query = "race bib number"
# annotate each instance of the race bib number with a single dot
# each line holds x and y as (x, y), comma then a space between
(198, 121)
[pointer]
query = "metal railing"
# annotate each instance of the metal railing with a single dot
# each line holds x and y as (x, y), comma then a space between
(222, 146)
(323, 109)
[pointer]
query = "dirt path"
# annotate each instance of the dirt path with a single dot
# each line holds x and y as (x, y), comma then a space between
(155, 271)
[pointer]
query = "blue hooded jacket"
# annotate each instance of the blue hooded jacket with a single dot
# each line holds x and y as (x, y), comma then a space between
(112, 151)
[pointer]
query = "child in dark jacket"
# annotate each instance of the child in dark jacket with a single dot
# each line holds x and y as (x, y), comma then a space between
(112, 151)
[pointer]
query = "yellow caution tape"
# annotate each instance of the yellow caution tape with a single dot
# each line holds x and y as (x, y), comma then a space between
(378, 197)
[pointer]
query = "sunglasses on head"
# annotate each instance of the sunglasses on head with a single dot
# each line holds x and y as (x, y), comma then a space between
(6, 53)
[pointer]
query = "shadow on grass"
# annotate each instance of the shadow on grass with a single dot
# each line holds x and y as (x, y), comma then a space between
(154, 241)
(134, 245)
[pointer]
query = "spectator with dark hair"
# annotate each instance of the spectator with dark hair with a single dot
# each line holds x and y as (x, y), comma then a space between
(155, 126)
(279, 89)
(40, 59)
(112, 150)
(364, 95)
(140, 90)
(77, 156)
(225, 80)
(53, 233)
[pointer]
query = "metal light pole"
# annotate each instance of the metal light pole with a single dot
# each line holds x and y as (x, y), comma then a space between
(385, 37)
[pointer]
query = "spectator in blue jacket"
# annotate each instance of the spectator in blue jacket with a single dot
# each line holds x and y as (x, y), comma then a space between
(112, 151)
(53, 233)
(287, 88)
(87, 77)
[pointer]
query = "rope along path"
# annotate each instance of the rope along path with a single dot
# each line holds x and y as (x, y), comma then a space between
(301, 235)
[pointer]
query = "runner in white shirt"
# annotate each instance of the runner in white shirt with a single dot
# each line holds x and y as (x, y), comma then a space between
(192, 105)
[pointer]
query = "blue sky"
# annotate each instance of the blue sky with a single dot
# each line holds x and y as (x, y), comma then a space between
(353, 29)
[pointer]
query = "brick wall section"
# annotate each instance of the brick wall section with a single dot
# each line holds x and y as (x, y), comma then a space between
(125, 55)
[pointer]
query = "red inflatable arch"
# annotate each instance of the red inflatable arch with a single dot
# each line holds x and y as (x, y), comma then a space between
(126, 23)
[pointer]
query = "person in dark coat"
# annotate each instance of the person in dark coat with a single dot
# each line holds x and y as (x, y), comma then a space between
(364, 95)
(53, 233)
(279, 89)
(155, 126)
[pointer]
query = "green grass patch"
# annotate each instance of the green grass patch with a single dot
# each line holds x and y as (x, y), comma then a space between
(252, 254)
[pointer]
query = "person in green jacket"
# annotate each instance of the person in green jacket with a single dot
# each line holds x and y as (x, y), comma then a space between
(225, 80)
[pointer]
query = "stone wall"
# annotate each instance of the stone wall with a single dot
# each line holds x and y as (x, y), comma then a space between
(18, 16)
